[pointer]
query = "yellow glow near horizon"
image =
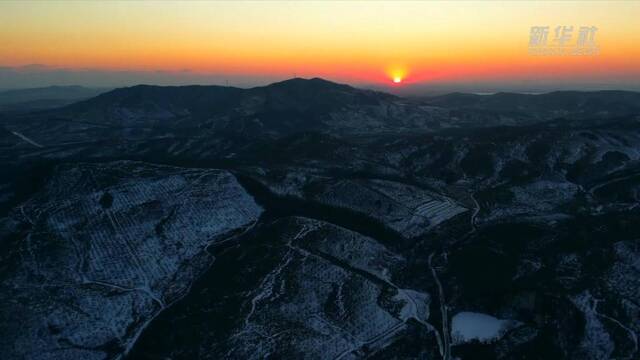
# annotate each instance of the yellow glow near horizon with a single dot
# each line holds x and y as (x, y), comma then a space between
(436, 41)
(397, 73)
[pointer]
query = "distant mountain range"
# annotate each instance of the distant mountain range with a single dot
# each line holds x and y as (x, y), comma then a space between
(299, 103)
(560, 103)
(281, 108)
(297, 95)
(298, 106)
(44, 97)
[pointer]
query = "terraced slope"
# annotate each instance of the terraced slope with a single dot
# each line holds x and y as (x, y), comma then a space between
(315, 291)
(99, 252)
(406, 209)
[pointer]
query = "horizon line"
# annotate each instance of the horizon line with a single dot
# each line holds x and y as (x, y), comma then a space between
(403, 90)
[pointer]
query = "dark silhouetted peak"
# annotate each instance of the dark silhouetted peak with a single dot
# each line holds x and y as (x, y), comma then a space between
(316, 94)
(314, 83)
(296, 94)
(297, 102)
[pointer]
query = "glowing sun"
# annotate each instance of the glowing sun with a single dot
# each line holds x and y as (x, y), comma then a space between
(397, 74)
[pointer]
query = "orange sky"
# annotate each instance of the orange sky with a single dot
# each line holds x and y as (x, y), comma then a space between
(347, 41)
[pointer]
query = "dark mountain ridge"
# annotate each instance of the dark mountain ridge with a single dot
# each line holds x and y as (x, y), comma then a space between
(316, 104)
(281, 108)
(295, 94)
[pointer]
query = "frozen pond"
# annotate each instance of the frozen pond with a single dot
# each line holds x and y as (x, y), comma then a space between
(467, 326)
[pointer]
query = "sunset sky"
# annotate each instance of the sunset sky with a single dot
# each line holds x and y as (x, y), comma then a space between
(253, 43)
